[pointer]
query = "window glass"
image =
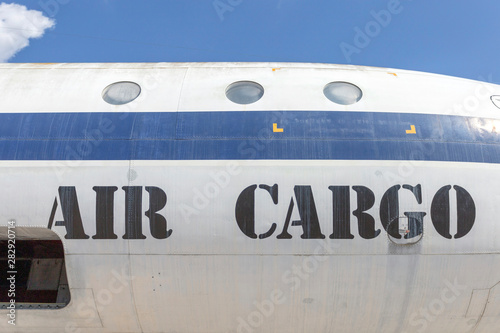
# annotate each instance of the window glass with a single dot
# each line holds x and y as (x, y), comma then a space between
(120, 93)
(244, 92)
(343, 93)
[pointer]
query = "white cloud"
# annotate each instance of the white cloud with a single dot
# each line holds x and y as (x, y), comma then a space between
(17, 26)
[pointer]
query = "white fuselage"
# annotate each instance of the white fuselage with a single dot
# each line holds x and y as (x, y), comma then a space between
(222, 224)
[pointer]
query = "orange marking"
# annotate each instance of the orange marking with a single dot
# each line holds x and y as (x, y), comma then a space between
(276, 129)
(412, 130)
(276, 69)
(393, 74)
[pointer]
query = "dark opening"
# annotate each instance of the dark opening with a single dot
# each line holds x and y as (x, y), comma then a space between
(32, 269)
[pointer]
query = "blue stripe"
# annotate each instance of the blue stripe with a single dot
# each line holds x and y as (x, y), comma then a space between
(247, 135)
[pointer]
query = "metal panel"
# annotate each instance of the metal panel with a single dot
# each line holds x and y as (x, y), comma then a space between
(45, 274)
(477, 303)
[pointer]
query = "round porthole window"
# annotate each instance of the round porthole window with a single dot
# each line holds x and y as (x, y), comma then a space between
(120, 93)
(244, 92)
(343, 93)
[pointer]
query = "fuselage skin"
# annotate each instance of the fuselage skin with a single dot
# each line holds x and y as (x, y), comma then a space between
(185, 212)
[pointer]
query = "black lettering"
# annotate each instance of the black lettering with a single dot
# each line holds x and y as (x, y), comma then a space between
(285, 234)
(133, 212)
(466, 213)
(157, 223)
(415, 219)
(389, 211)
(71, 213)
(440, 212)
(366, 222)
(245, 210)
(308, 215)
(105, 212)
(415, 224)
(52, 214)
(341, 213)
(273, 191)
(417, 192)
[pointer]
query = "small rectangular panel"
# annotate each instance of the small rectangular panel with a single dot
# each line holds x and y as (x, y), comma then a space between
(477, 303)
(45, 274)
(492, 308)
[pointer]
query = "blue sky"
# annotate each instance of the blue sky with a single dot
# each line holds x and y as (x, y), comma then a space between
(453, 37)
